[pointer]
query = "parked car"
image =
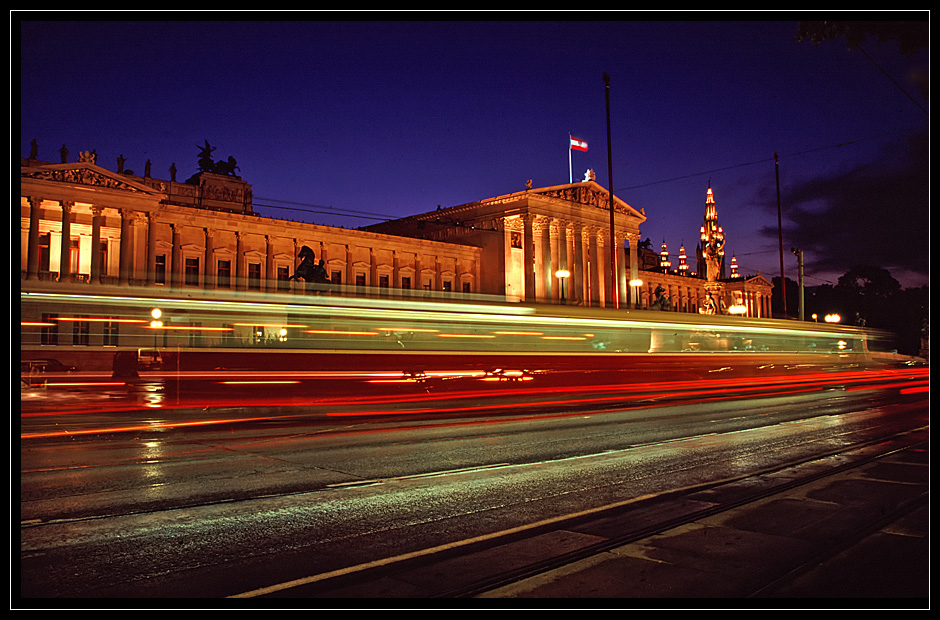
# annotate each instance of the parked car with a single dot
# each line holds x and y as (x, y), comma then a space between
(41, 366)
(149, 359)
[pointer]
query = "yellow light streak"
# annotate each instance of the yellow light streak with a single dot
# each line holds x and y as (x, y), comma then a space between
(336, 332)
(513, 333)
(196, 328)
(466, 336)
(407, 329)
(275, 325)
(92, 319)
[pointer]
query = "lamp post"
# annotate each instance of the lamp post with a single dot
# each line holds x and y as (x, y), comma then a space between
(156, 323)
(783, 280)
(799, 258)
(562, 274)
(635, 292)
(610, 179)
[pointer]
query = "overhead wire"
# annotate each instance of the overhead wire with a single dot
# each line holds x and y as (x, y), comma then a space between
(311, 208)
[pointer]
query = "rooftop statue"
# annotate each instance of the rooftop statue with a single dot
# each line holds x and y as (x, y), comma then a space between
(206, 164)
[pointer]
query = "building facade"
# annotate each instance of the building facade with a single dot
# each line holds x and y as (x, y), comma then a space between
(82, 225)
(562, 233)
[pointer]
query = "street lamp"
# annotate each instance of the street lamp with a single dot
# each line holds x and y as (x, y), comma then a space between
(799, 256)
(562, 274)
(635, 292)
(156, 323)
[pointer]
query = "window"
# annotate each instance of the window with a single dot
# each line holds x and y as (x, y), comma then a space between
(448, 286)
(103, 257)
(159, 269)
(45, 240)
(192, 272)
(195, 335)
(383, 281)
(466, 287)
(336, 277)
(360, 279)
(254, 276)
(406, 282)
(224, 274)
(50, 331)
(283, 279)
(73, 255)
(110, 335)
(80, 332)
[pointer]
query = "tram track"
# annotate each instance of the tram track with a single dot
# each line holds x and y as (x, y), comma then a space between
(382, 575)
(825, 466)
(664, 513)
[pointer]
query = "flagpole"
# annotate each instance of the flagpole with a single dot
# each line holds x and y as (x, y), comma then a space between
(569, 159)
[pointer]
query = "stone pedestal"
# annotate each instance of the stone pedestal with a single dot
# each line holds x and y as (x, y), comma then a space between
(209, 190)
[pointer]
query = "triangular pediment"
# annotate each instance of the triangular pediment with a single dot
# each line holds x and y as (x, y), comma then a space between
(589, 193)
(759, 280)
(85, 173)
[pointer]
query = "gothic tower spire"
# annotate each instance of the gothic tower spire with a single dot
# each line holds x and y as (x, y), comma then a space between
(712, 233)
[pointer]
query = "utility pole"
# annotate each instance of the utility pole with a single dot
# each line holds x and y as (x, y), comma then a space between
(799, 259)
(783, 280)
(615, 297)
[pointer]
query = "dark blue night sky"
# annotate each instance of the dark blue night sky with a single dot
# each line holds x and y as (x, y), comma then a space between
(349, 123)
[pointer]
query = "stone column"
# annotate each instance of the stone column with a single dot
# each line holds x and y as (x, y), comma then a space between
(65, 248)
(577, 274)
(296, 287)
(32, 240)
(175, 254)
(634, 239)
(132, 262)
(151, 249)
(561, 237)
(418, 284)
(528, 257)
(270, 277)
(208, 278)
(95, 245)
(622, 284)
(552, 266)
(396, 276)
(124, 263)
(547, 267)
(239, 284)
(373, 269)
(595, 259)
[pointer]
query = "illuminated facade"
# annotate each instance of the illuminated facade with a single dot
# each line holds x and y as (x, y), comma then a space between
(82, 224)
(689, 291)
(563, 229)
(123, 229)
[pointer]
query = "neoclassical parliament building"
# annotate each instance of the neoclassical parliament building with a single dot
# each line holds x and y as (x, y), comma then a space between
(83, 224)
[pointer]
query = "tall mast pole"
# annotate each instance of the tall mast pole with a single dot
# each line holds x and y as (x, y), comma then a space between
(615, 297)
(783, 281)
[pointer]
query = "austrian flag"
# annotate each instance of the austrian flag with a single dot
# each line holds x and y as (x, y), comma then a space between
(578, 145)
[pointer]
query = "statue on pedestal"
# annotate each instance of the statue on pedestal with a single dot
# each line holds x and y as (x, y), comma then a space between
(713, 253)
